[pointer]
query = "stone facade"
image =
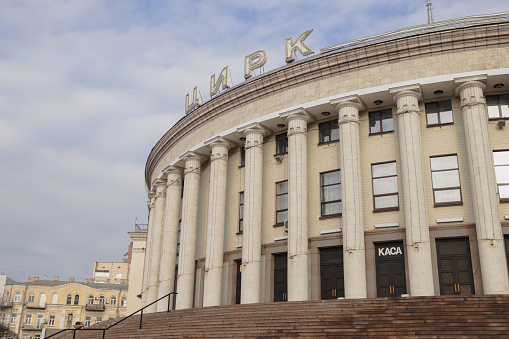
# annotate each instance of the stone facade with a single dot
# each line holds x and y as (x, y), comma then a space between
(381, 98)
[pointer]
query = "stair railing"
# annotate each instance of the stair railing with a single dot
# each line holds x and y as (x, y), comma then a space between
(118, 322)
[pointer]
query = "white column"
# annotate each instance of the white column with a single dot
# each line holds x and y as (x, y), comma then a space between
(155, 248)
(298, 276)
(484, 195)
(186, 266)
(420, 272)
(150, 236)
(354, 256)
(170, 234)
(253, 191)
(216, 221)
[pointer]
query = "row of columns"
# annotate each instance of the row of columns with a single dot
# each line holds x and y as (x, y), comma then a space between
(165, 201)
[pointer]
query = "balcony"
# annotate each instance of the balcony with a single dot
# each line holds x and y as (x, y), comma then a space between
(94, 307)
(6, 304)
(36, 306)
(31, 327)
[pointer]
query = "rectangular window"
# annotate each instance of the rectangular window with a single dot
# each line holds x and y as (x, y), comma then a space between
(99, 320)
(330, 189)
(241, 212)
(385, 186)
(37, 336)
(445, 177)
(281, 144)
(381, 122)
(501, 159)
(242, 156)
(329, 131)
(498, 106)
(87, 321)
(118, 276)
(13, 319)
(51, 321)
(3, 318)
(439, 113)
(25, 335)
(281, 202)
(39, 321)
(28, 319)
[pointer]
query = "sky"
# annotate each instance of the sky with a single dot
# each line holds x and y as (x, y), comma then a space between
(87, 88)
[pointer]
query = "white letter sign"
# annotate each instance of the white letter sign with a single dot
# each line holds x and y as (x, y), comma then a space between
(291, 46)
(253, 61)
(195, 103)
(221, 80)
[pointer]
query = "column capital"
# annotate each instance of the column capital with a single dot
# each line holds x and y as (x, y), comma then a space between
(173, 170)
(349, 101)
(160, 183)
(472, 81)
(151, 193)
(298, 113)
(190, 156)
(254, 128)
(219, 141)
(409, 90)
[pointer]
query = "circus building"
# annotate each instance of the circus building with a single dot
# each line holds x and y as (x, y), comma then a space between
(378, 167)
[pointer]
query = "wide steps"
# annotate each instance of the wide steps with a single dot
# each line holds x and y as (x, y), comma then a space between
(426, 317)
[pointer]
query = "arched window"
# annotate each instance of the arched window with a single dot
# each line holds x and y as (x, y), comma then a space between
(69, 299)
(101, 300)
(6, 296)
(123, 302)
(31, 298)
(113, 301)
(76, 299)
(69, 320)
(17, 297)
(54, 300)
(42, 300)
(90, 300)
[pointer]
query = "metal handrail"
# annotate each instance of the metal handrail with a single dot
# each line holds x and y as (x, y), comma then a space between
(118, 322)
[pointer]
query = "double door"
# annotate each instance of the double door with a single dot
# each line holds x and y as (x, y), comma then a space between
(390, 269)
(331, 273)
(455, 267)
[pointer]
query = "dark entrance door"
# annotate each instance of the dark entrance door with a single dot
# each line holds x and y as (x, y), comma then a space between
(390, 269)
(506, 238)
(455, 267)
(280, 277)
(238, 281)
(331, 273)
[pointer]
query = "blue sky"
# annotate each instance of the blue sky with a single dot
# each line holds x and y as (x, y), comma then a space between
(88, 87)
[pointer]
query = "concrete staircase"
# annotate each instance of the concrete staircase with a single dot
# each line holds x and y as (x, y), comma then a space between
(425, 317)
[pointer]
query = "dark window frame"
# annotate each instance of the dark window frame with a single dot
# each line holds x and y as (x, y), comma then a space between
(242, 157)
(278, 224)
(76, 299)
(451, 203)
(498, 96)
(241, 207)
(496, 179)
(373, 178)
(327, 124)
(380, 120)
(437, 106)
(281, 138)
(68, 300)
(322, 202)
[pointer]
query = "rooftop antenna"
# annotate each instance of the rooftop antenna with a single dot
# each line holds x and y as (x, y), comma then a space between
(430, 13)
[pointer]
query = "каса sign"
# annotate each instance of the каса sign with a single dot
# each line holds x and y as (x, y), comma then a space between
(251, 62)
(389, 250)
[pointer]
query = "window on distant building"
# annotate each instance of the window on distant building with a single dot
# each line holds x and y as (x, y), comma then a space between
(445, 178)
(28, 319)
(39, 321)
(330, 192)
(439, 113)
(381, 122)
(118, 276)
(17, 297)
(87, 321)
(69, 320)
(69, 299)
(385, 186)
(76, 299)
(90, 300)
(13, 318)
(31, 298)
(501, 159)
(281, 144)
(329, 131)
(99, 320)
(51, 321)
(113, 301)
(241, 212)
(123, 302)
(101, 300)
(498, 106)
(6, 299)
(37, 336)
(3, 318)
(25, 335)
(54, 299)
(242, 156)
(281, 202)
